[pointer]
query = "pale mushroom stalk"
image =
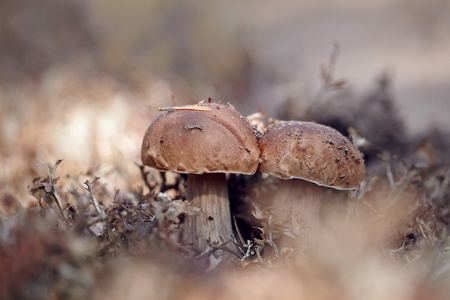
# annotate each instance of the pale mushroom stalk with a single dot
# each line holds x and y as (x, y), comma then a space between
(300, 200)
(209, 193)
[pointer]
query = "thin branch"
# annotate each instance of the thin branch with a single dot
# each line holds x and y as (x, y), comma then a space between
(52, 181)
(90, 189)
(241, 239)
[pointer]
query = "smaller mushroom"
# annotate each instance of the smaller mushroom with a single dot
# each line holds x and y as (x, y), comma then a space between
(302, 153)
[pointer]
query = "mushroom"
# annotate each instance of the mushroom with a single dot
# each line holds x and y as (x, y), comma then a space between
(306, 153)
(205, 141)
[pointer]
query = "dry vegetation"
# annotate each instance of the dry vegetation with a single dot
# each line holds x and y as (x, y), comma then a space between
(81, 218)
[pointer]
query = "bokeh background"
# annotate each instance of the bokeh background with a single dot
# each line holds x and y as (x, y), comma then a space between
(81, 81)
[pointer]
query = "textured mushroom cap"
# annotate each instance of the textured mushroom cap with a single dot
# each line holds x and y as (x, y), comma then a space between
(312, 152)
(192, 141)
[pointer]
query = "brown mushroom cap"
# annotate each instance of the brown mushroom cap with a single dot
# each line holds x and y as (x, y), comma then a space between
(219, 140)
(312, 152)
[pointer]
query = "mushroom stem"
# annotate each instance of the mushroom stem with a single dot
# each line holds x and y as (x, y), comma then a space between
(299, 200)
(213, 222)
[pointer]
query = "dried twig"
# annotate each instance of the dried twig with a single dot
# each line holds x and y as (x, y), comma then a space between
(327, 77)
(90, 189)
(213, 249)
(187, 107)
(50, 188)
(241, 239)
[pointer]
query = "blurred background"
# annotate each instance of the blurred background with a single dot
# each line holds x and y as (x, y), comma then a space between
(81, 81)
(107, 64)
